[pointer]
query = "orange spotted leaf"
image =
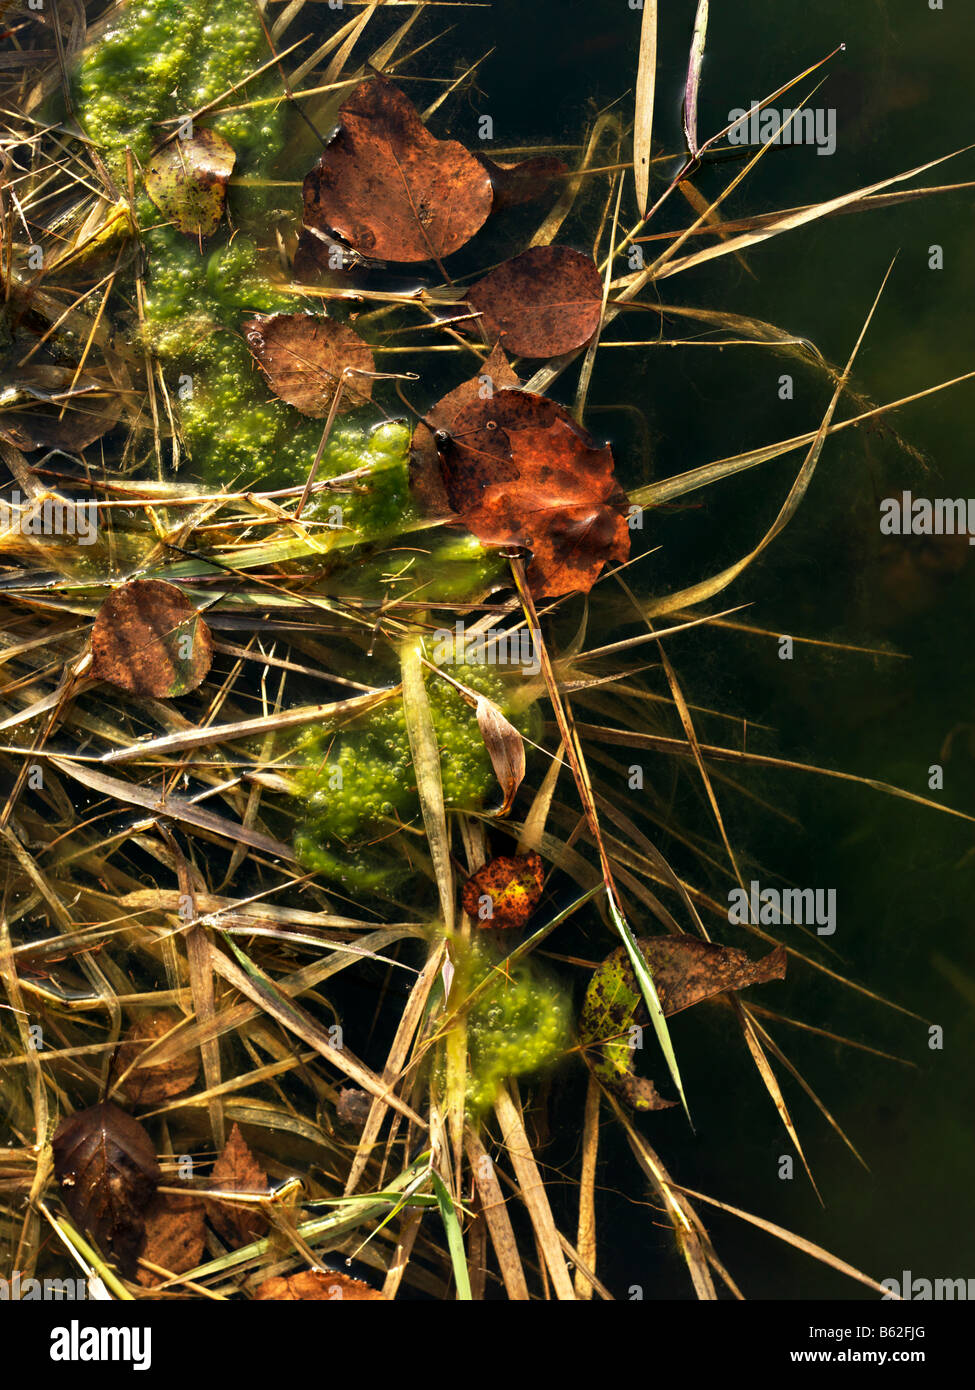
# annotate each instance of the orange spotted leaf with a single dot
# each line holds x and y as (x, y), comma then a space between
(505, 892)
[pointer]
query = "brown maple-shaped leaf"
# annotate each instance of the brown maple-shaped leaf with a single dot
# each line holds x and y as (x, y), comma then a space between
(175, 1235)
(149, 639)
(389, 188)
(542, 303)
(304, 357)
(426, 482)
(518, 470)
(316, 1284)
(159, 1081)
(187, 181)
(505, 892)
(524, 182)
(237, 1170)
(106, 1166)
(685, 971)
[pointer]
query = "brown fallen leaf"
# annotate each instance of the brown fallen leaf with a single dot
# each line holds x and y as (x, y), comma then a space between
(518, 470)
(512, 886)
(315, 1284)
(542, 303)
(303, 357)
(524, 182)
(425, 479)
(149, 639)
(159, 1081)
(187, 181)
(237, 1170)
(32, 414)
(685, 971)
(353, 1106)
(506, 749)
(175, 1235)
(106, 1166)
(389, 188)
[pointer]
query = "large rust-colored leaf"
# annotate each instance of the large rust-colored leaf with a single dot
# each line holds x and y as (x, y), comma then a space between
(317, 1285)
(389, 188)
(237, 1170)
(524, 182)
(542, 303)
(106, 1165)
(158, 1081)
(187, 181)
(149, 639)
(496, 374)
(518, 470)
(175, 1235)
(508, 886)
(685, 972)
(303, 357)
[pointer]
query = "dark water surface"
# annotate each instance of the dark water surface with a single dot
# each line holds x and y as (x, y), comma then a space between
(903, 875)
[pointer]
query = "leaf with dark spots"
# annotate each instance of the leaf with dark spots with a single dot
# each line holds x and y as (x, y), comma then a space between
(389, 188)
(318, 1285)
(304, 357)
(543, 303)
(149, 639)
(526, 182)
(237, 1170)
(685, 972)
(495, 374)
(175, 1235)
(106, 1166)
(518, 470)
(159, 1081)
(187, 180)
(505, 892)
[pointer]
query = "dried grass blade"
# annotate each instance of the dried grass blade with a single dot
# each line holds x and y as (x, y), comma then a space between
(533, 1193)
(646, 82)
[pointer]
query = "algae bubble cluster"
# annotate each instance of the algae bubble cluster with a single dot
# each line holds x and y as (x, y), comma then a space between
(517, 1026)
(160, 60)
(358, 786)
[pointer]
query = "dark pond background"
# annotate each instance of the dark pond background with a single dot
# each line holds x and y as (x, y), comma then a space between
(904, 875)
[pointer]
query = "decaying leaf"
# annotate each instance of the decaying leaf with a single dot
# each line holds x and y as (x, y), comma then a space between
(506, 749)
(685, 971)
(525, 182)
(106, 1165)
(149, 639)
(505, 892)
(303, 357)
(389, 188)
(353, 1106)
(542, 303)
(175, 1235)
(318, 1285)
(33, 401)
(158, 1081)
(187, 181)
(237, 1170)
(517, 469)
(425, 479)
